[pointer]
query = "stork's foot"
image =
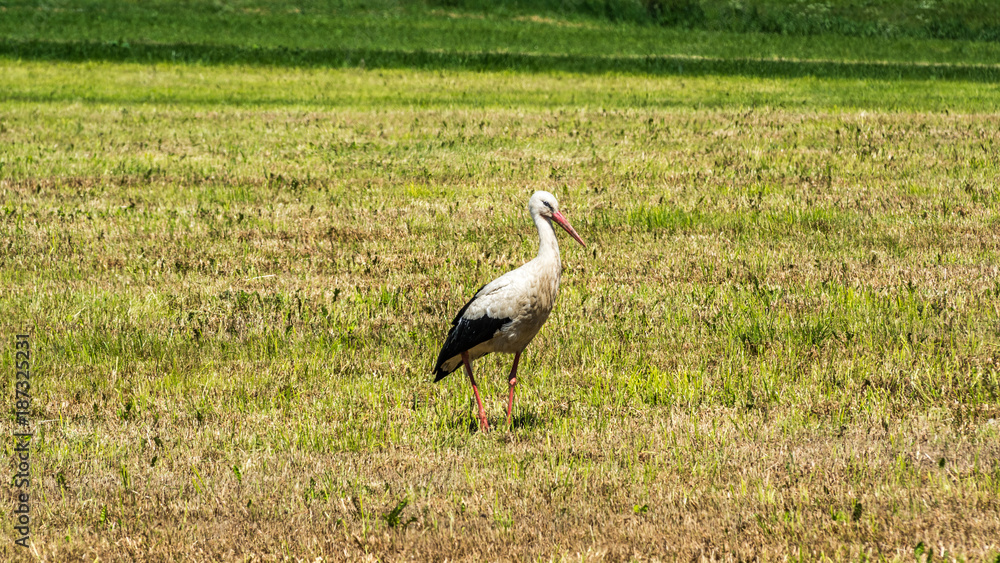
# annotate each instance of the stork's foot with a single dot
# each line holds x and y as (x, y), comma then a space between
(483, 425)
(512, 382)
(510, 400)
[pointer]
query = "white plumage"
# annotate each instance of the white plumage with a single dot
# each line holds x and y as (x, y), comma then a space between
(507, 313)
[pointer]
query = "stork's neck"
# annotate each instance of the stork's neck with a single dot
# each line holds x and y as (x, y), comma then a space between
(548, 246)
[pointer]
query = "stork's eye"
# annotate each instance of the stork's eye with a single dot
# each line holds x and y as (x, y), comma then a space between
(549, 205)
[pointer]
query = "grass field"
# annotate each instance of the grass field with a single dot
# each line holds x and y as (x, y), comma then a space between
(238, 255)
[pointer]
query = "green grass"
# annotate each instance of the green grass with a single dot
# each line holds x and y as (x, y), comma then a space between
(316, 33)
(780, 342)
(944, 19)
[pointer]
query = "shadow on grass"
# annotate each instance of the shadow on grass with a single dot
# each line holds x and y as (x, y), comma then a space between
(528, 419)
(72, 51)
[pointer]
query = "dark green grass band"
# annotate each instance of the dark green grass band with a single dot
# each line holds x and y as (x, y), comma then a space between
(76, 51)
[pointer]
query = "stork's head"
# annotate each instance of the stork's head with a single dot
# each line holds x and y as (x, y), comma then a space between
(545, 204)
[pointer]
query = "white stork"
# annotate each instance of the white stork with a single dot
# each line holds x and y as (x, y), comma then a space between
(505, 314)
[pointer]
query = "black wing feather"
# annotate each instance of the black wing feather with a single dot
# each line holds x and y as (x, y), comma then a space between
(466, 334)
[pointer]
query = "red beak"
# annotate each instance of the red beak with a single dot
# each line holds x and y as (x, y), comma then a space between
(558, 218)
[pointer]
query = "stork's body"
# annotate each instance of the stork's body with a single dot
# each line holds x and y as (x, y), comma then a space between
(507, 313)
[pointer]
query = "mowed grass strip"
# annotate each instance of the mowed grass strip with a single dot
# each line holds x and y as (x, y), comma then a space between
(780, 342)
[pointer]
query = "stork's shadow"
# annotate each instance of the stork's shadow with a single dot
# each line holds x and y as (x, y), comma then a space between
(526, 419)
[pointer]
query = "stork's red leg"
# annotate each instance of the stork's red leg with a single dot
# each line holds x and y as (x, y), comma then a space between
(485, 426)
(513, 382)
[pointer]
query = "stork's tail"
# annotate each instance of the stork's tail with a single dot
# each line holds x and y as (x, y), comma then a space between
(439, 374)
(443, 369)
